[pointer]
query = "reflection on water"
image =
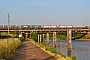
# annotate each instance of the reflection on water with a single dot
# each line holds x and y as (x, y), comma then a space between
(79, 48)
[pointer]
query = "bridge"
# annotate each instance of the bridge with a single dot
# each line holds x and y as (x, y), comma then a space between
(49, 30)
(75, 30)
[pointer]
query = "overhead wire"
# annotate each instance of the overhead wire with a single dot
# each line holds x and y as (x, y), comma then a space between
(2, 17)
(2, 13)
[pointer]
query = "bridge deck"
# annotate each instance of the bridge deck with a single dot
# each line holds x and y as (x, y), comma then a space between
(39, 30)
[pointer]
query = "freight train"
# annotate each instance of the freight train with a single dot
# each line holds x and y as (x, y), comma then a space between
(37, 26)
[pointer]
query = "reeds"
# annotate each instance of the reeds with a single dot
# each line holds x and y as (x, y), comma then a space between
(8, 47)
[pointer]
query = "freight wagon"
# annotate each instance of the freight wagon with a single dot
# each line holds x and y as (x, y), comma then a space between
(1, 27)
(65, 26)
(49, 26)
(11, 27)
(23, 27)
(36, 26)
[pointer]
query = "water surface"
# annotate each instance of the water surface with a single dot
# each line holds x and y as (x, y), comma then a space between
(79, 48)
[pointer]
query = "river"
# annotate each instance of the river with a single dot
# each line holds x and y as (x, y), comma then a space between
(81, 49)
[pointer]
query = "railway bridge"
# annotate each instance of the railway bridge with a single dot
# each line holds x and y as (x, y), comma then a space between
(75, 30)
(48, 30)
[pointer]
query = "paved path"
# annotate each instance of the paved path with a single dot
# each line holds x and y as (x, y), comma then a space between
(29, 51)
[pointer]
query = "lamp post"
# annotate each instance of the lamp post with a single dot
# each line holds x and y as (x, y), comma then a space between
(19, 25)
(8, 22)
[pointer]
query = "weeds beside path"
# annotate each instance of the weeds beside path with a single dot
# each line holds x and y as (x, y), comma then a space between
(29, 51)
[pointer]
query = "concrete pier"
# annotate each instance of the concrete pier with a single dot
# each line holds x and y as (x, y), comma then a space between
(54, 39)
(69, 43)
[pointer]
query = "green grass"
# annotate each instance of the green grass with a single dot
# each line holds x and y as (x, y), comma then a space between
(52, 50)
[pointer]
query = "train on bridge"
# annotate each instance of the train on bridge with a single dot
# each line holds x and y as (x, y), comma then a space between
(4, 27)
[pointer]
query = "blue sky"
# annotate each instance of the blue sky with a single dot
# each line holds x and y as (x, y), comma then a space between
(74, 12)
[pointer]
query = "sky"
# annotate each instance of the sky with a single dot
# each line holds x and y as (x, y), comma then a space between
(45, 12)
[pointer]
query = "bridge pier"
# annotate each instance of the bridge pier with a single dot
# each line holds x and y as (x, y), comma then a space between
(69, 43)
(54, 39)
(47, 38)
(38, 38)
(30, 34)
(86, 36)
(43, 38)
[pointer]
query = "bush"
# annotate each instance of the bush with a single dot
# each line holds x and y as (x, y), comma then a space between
(8, 48)
(34, 36)
(74, 58)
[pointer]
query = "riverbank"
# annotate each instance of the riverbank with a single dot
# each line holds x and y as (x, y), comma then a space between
(88, 40)
(57, 56)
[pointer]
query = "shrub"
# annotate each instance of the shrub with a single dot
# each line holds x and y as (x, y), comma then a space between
(8, 48)
(74, 58)
(34, 36)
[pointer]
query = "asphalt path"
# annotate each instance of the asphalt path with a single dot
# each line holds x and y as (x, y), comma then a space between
(29, 51)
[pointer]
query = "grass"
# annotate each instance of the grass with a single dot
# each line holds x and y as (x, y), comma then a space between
(8, 47)
(52, 50)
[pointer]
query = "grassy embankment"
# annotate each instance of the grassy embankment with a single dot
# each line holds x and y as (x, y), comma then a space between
(53, 52)
(8, 47)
